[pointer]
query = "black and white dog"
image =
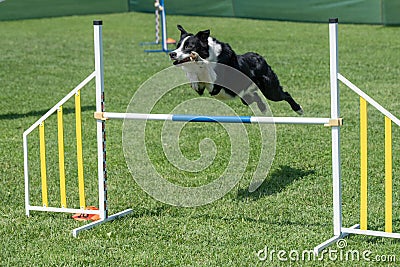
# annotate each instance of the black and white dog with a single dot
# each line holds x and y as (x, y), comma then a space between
(206, 51)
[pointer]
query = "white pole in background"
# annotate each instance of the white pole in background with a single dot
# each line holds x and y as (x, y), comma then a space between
(335, 113)
(26, 173)
(101, 141)
(163, 27)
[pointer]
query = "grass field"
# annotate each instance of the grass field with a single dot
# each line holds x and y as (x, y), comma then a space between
(43, 59)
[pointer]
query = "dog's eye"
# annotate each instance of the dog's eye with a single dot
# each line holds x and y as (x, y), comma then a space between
(189, 46)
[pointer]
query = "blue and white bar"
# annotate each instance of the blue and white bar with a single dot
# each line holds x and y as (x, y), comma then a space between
(218, 119)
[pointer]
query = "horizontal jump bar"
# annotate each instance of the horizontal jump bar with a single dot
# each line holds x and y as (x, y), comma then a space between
(220, 119)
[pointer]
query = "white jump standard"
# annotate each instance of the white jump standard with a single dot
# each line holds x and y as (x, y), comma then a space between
(101, 147)
(338, 230)
(334, 122)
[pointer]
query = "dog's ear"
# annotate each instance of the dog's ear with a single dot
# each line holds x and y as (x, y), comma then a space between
(182, 30)
(203, 35)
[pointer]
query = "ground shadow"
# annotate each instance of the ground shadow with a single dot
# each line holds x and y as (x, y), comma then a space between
(276, 182)
(156, 211)
(39, 113)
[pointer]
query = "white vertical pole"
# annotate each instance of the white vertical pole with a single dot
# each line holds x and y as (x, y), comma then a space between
(335, 113)
(26, 173)
(101, 142)
(163, 27)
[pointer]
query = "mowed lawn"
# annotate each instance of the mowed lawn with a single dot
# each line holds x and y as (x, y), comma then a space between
(41, 60)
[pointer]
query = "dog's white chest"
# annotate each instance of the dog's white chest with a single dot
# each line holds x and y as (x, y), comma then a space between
(200, 74)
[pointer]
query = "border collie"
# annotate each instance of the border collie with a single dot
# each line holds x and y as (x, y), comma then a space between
(202, 50)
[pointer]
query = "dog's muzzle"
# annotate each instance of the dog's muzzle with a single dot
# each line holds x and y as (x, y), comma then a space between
(173, 56)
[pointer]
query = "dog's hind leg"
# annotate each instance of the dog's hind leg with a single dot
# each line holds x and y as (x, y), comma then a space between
(274, 92)
(249, 99)
(280, 96)
(293, 104)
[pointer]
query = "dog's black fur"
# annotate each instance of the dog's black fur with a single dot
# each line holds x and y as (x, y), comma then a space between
(202, 47)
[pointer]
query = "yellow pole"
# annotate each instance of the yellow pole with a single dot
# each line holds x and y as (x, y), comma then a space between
(43, 165)
(79, 154)
(388, 175)
(61, 164)
(363, 164)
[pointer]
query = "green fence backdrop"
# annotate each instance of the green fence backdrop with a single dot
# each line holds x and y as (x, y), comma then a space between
(385, 12)
(26, 9)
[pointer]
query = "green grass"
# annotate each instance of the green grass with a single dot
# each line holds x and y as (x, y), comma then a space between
(42, 60)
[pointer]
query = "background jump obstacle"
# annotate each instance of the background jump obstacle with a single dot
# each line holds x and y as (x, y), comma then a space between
(159, 6)
(334, 122)
(102, 212)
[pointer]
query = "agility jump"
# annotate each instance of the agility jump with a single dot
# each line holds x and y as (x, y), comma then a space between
(334, 122)
(159, 6)
(102, 210)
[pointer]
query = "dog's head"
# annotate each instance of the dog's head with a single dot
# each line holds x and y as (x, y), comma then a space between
(189, 43)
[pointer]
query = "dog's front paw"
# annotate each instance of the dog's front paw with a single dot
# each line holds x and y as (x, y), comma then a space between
(215, 91)
(200, 91)
(195, 86)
